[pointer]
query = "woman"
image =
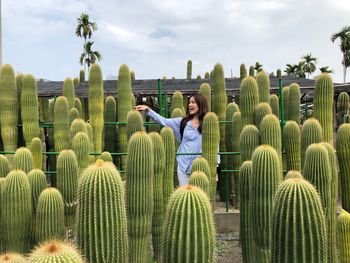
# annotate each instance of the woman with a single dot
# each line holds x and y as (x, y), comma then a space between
(187, 130)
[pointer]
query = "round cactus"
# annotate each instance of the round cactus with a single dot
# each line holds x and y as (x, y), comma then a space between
(177, 101)
(68, 91)
(249, 140)
(293, 174)
(294, 103)
(24, 160)
(49, 218)
(178, 246)
(343, 235)
(55, 251)
(263, 81)
(12, 258)
(200, 164)
(36, 150)
(81, 148)
(73, 114)
(110, 115)
(298, 224)
(200, 180)
(106, 156)
(37, 182)
(260, 111)
(61, 124)
(4, 166)
(291, 140)
(134, 123)
(311, 132)
(249, 99)
(78, 125)
(101, 206)
(206, 91)
(274, 104)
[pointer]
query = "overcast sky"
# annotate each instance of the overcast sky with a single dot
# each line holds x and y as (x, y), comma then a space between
(155, 38)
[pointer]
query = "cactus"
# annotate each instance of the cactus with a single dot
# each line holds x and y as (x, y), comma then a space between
(249, 140)
(23, 160)
(16, 212)
(78, 125)
(210, 143)
(19, 85)
(9, 109)
(279, 74)
(178, 244)
(263, 81)
(49, 219)
(242, 72)
(246, 225)
(285, 94)
(110, 115)
(68, 92)
(61, 124)
(4, 166)
(82, 76)
(76, 81)
(294, 103)
(158, 203)
(139, 195)
(189, 69)
(342, 107)
(200, 164)
(311, 132)
(343, 234)
(207, 75)
(55, 251)
(73, 114)
(134, 123)
(249, 99)
(200, 179)
(132, 75)
(206, 91)
(124, 106)
(343, 154)
(323, 104)
(168, 139)
(252, 71)
(81, 148)
(12, 258)
(79, 107)
(50, 131)
(299, 232)
(236, 159)
(177, 101)
(266, 174)
(106, 156)
(260, 111)
(90, 135)
(36, 150)
(293, 174)
(37, 182)
(96, 106)
(291, 141)
(101, 206)
(29, 109)
(274, 104)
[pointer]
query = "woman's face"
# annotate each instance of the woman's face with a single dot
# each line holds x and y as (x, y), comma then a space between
(193, 107)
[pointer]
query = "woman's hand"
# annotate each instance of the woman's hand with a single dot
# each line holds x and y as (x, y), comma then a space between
(142, 108)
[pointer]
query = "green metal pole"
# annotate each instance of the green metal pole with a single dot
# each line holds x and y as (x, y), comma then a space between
(160, 97)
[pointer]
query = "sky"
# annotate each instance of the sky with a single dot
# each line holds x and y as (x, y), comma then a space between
(156, 38)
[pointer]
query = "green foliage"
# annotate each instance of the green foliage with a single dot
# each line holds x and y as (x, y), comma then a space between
(206, 91)
(68, 91)
(294, 103)
(263, 80)
(23, 160)
(291, 141)
(249, 99)
(61, 124)
(249, 140)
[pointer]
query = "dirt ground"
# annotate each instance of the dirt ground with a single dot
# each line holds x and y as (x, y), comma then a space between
(228, 252)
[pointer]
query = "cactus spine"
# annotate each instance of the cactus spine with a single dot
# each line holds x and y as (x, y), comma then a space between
(68, 92)
(78, 125)
(274, 104)
(267, 175)
(297, 214)
(189, 69)
(260, 111)
(294, 103)
(206, 91)
(73, 114)
(200, 180)
(101, 206)
(139, 195)
(263, 81)
(81, 148)
(311, 132)
(323, 104)
(96, 104)
(293, 174)
(249, 141)
(343, 234)
(200, 164)
(285, 93)
(37, 182)
(342, 106)
(49, 219)
(16, 212)
(189, 210)
(134, 123)
(236, 160)
(249, 99)
(29, 109)
(24, 160)
(110, 130)
(291, 140)
(177, 101)
(61, 124)
(4, 166)
(12, 258)
(36, 150)
(79, 107)
(106, 156)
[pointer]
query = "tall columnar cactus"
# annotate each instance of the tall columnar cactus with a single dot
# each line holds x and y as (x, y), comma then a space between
(285, 93)
(50, 131)
(91, 136)
(249, 141)
(134, 123)
(236, 159)
(81, 148)
(55, 251)
(263, 80)
(291, 141)
(200, 164)
(323, 104)
(110, 115)
(169, 146)
(249, 99)
(274, 104)
(37, 182)
(82, 76)
(210, 146)
(4, 166)
(343, 103)
(246, 225)
(343, 154)
(206, 91)
(78, 125)
(178, 244)
(177, 101)
(294, 103)
(19, 85)
(9, 108)
(10, 257)
(16, 212)
(79, 107)
(68, 91)
(242, 71)
(36, 150)
(252, 71)
(61, 124)
(29, 109)
(124, 106)
(267, 174)
(96, 104)
(76, 81)
(132, 75)
(343, 234)
(23, 160)
(311, 132)
(49, 218)
(206, 75)
(139, 195)
(158, 203)
(200, 179)
(73, 114)
(189, 69)
(260, 111)
(101, 206)
(279, 74)
(299, 233)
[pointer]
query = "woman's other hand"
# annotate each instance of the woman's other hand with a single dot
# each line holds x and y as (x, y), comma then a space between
(142, 108)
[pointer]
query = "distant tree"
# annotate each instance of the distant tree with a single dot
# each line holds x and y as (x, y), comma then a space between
(299, 70)
(89, 56)
(290, 70)
(309, 64)
(326, 69)
(258, 67)
(344, 37)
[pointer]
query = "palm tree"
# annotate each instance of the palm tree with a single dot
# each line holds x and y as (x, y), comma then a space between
(309, 64)
(290, 70)
(89, 56)
(344, 37)
(326, 69)
(85, 28)
(258, 67)
(299, 70)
